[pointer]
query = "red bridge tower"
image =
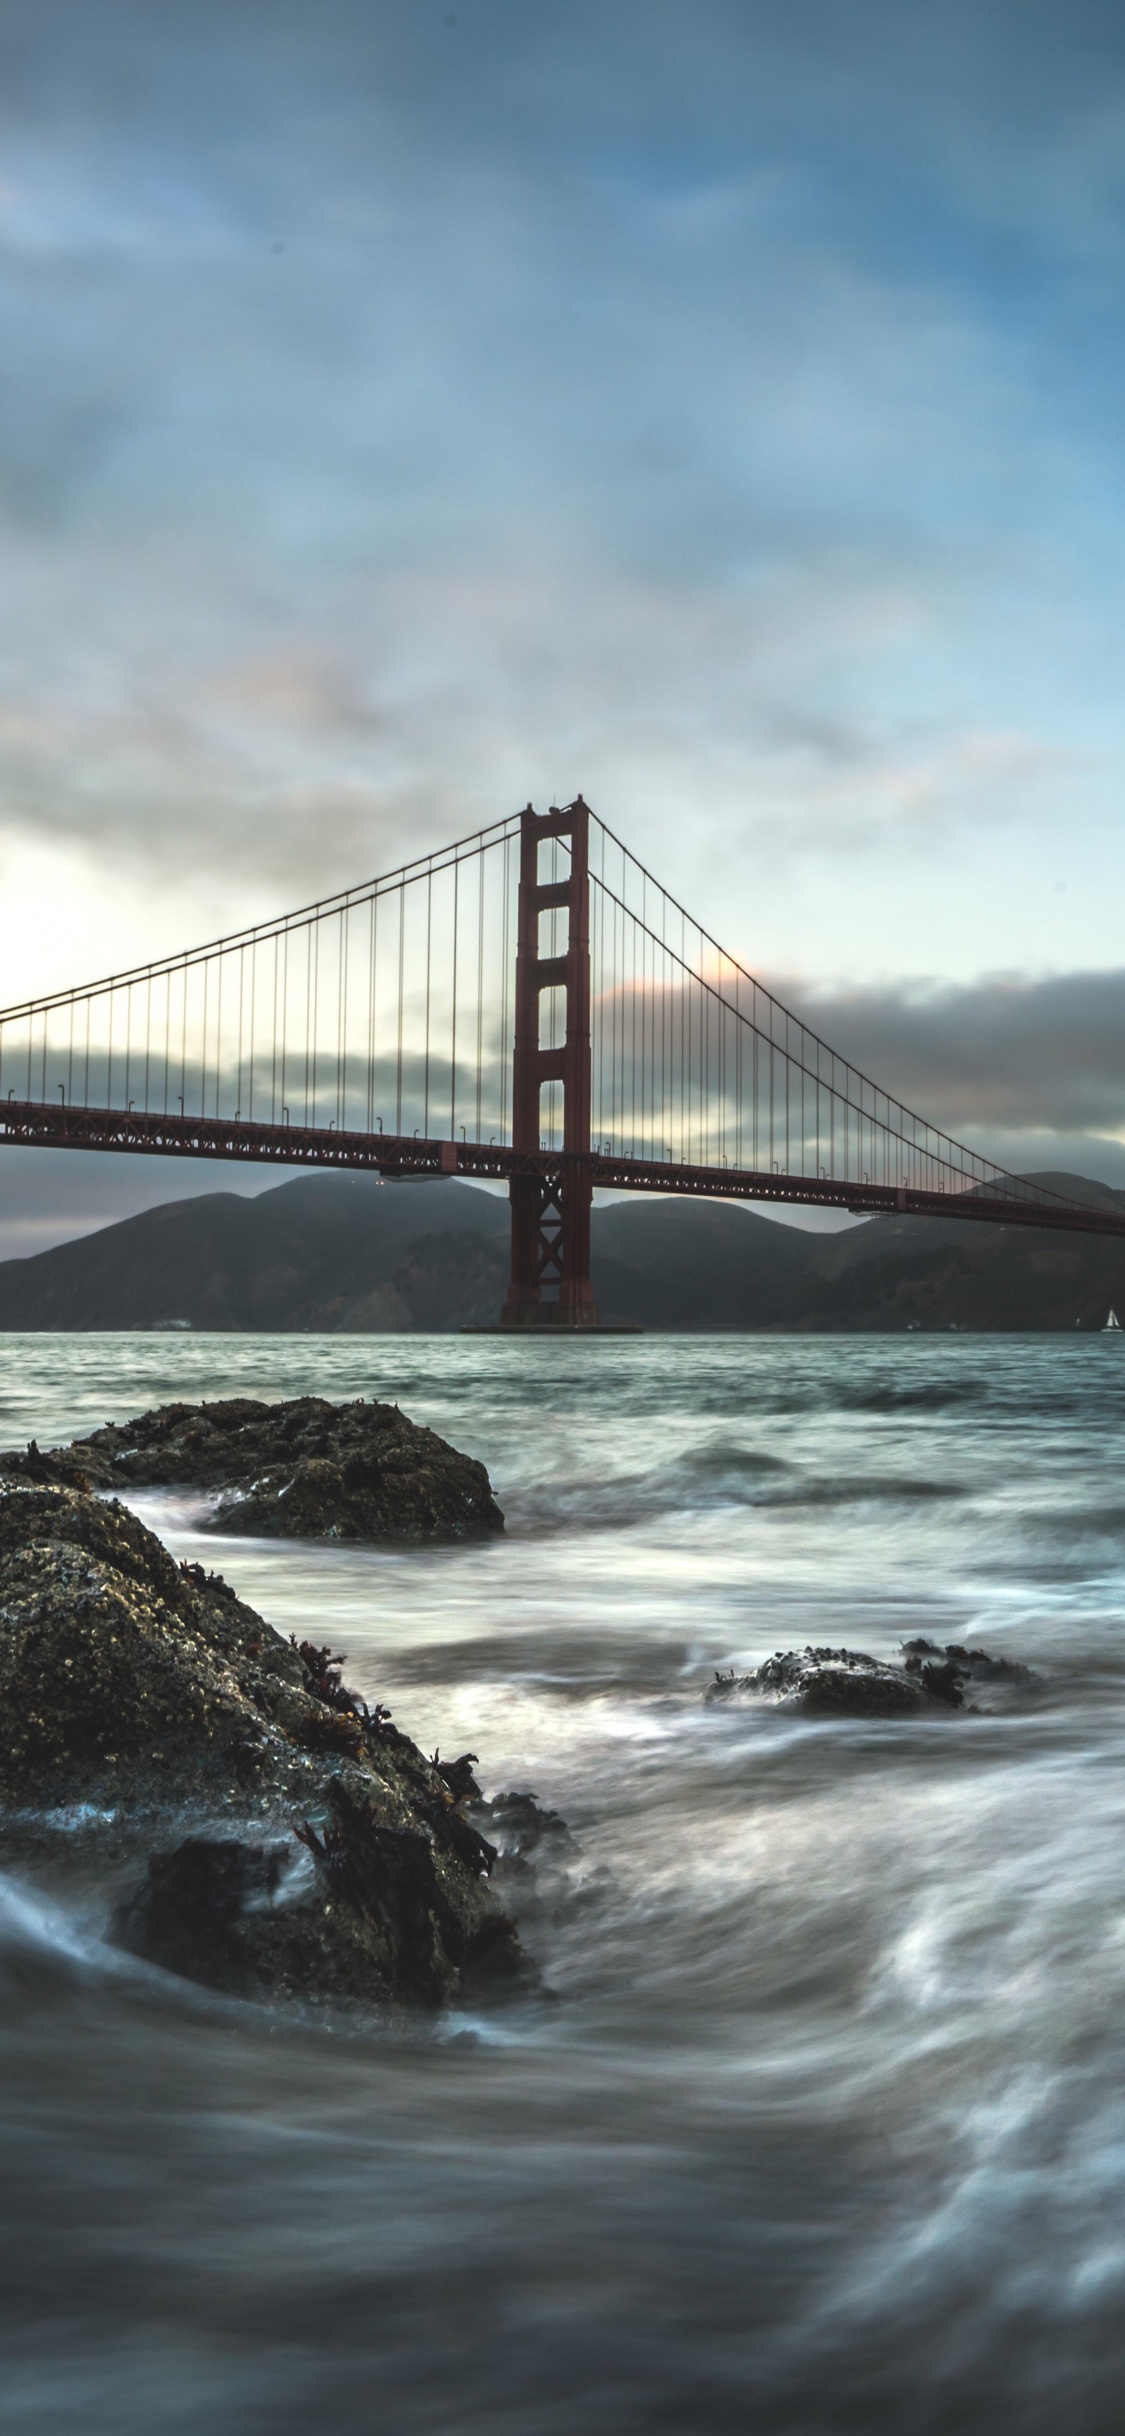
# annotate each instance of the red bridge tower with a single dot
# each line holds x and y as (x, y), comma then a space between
(550, 1285)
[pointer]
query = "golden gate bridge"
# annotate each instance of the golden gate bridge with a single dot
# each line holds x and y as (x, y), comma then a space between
(527, 1006)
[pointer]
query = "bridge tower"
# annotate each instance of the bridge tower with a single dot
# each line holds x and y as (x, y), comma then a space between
(550, 1284)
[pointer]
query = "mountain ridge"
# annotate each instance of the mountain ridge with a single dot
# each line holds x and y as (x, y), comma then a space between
(350, 1254)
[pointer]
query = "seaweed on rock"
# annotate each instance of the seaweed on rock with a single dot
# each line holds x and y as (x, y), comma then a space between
(196, 1742)
(826, 1682)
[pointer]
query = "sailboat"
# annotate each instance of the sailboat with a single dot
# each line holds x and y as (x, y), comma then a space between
(1112, 1321)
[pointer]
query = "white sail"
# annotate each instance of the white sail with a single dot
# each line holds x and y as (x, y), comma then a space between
(1112, 1321)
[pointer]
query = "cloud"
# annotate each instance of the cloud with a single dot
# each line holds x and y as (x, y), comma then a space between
(573, 425)
(718, 411)
(1009, 1054)
(431, 702)
(686, 412)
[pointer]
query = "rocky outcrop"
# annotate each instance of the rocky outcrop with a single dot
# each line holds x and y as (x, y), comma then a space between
(355, 1909)
(967, 1666)
(275, 1834)
(850, 1683)
(301, 1470)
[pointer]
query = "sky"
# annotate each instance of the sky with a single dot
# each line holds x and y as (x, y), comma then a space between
(408, 410)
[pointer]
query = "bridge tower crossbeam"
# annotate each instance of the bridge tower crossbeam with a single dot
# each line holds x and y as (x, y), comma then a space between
(550, 1279)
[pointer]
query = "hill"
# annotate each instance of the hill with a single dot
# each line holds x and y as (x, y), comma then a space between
(323, 1252)
(351, 1254)
(944, 1273)
(701, 1264)
(685, 1264)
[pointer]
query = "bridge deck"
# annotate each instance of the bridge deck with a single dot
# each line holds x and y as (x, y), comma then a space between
(54, 1126)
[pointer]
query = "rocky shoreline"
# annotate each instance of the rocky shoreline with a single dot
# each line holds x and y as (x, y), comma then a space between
(266, 1832)
(249, 1821)
(305, 1469)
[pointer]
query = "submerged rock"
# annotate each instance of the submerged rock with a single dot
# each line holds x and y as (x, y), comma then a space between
(850, 1683)
(306, 1469)
(828, 1683)
(967, 1665)
(523, 1828)
(293, 1840)
(541, 1873)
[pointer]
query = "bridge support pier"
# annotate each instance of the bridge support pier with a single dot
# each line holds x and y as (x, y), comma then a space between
(550, 1280)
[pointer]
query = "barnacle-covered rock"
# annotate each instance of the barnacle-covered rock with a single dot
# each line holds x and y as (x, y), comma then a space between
(828, 1683)
(849, 1683)
(967, 1666)
(356, 1909)
(290, 1838)
(306, 1469)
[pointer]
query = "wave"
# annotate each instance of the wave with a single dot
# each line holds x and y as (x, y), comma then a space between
(711, 1477)
(928, 1396)
(43, 1954)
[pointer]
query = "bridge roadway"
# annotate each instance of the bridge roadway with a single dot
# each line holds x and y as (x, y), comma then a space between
(48, 1125)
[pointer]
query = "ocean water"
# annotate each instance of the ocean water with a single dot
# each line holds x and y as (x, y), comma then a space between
(824, 2126)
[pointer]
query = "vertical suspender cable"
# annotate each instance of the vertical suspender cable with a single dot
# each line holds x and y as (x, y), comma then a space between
(453, 1026)
(480, 985)
(315, 930)
(308, 1014)
(401, 951)
(241, 1001)
(374, 912)
(426, 1055)
(273, 1034)
(253, 1020)
(504, 980)
(219, 1035)
(342, 1018)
